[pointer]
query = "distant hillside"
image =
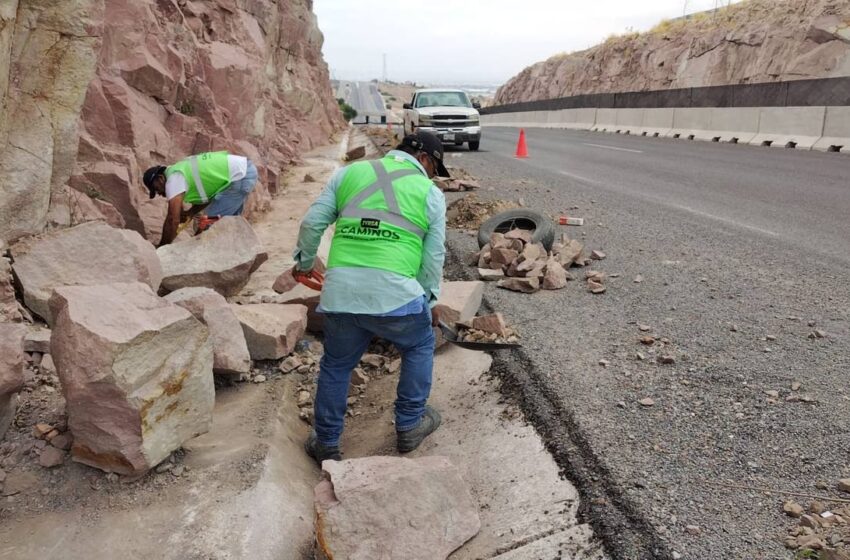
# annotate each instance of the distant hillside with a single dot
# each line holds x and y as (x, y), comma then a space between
(754, 41)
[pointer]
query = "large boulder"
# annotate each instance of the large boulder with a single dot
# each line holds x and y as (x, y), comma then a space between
(230, 351)
(222, 258)
(11, 370)
(271, 329)
(136, 373)
(88, 254)
(393, 507)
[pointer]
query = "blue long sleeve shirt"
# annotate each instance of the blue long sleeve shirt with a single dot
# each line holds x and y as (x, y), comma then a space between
(372, 291)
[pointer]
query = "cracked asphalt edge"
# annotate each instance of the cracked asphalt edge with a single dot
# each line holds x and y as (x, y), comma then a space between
(615, 518)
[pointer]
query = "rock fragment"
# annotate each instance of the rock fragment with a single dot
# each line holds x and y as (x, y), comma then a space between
(136, 373)
(230, 350)
(555, 276)
(792, 509)
(51, 457)
(87, 254)
(647, 402)
(355, 153)
(12, 364)
(271, 329)
(491, 324)
(524, 285)
(393, 507)
(222, 258)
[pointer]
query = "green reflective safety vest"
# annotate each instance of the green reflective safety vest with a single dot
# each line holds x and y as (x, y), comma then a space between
(206, 175)
(382, 217)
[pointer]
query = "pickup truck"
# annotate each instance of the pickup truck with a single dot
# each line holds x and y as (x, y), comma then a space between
(448, 113)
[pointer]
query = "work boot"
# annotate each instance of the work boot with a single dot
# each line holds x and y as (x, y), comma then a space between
(321, 452)
(428, 424)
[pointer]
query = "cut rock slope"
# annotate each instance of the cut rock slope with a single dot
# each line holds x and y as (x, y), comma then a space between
(98, 90)
(751, 42)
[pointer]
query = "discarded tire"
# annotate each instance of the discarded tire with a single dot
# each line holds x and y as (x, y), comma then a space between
(542, 228)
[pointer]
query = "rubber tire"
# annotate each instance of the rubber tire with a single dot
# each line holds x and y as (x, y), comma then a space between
(473, 146)
(544, 228)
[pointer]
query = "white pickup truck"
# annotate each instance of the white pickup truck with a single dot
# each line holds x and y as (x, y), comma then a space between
(448, 113)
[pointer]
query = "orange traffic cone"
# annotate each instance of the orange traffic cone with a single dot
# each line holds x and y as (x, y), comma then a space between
(521, 148)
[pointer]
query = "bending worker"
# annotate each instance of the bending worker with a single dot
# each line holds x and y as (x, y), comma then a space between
(383, 278)
(216, 182)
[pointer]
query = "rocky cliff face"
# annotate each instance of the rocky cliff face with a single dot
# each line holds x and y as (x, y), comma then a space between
(95, 91)
(755, 41)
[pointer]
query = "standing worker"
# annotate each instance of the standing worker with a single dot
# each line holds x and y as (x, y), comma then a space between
(217, 182)
(383, 279)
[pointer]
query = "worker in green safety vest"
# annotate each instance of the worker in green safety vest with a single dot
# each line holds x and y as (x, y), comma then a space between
(383, 279)
(214, 182)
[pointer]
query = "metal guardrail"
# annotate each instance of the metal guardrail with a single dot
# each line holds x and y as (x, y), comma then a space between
(832, 92)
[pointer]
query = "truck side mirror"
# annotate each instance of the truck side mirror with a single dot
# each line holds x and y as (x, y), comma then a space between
(476, 105)
(407, 106)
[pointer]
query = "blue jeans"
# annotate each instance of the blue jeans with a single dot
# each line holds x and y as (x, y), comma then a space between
(231, 200)
(346, 338)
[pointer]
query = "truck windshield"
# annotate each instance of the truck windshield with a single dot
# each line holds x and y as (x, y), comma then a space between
(442, 99)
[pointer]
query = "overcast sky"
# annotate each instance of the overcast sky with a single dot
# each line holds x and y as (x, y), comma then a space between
(468, 42)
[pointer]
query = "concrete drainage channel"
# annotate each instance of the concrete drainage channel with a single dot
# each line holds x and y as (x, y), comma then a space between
(607, 510)
(245, 489)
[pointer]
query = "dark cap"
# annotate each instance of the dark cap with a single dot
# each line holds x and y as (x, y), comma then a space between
(149, 176)
(428, 142)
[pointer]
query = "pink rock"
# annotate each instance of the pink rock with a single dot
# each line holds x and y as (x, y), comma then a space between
(525, 285)
(393, 507)
(12, 363)
(92, 253)
(222, 258)
(271, 329)
(8, 304)
(556, 277)
(520, 234)
(86, 209)
(494, 324)
(136, 373)
(230, 351)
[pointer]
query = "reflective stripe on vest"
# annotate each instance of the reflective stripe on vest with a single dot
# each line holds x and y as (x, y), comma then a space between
(383, 182)
(196, 175)
(206, 175)
(382, 217)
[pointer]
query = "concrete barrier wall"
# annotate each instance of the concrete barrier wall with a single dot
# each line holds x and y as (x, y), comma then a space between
(574, 119)
(836, 131)
(629, 121)
(804, 128)
(657, 122)
(691, 123)
(606, 120)
(736, 124)
(790, 127)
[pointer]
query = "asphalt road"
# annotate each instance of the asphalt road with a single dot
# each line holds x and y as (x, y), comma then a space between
(364, 97)
(744, 252)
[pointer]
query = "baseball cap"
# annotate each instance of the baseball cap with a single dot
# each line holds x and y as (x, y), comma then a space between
(151, 174)
(428, 142)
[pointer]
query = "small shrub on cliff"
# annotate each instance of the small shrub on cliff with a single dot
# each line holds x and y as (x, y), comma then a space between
(347, 110)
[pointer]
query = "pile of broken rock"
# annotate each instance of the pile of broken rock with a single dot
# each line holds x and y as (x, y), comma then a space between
(517, 263)
(133, 337)
(487, 328)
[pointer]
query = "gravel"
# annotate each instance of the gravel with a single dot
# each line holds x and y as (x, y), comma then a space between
(720, 296)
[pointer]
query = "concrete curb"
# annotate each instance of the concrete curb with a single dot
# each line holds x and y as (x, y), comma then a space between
(804, 128)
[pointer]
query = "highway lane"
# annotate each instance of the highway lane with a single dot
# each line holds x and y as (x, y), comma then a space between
(800, 197)
(364, 97)
(743, 254)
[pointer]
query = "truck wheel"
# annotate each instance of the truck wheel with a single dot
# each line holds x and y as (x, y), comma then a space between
(542, 228)
(473, 146)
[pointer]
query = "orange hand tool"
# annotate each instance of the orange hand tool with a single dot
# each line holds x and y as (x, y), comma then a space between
(313, 279)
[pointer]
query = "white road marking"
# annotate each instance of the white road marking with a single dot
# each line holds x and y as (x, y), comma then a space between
(685, 208)
(725, 220)
(580, 178)
(613, 148)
